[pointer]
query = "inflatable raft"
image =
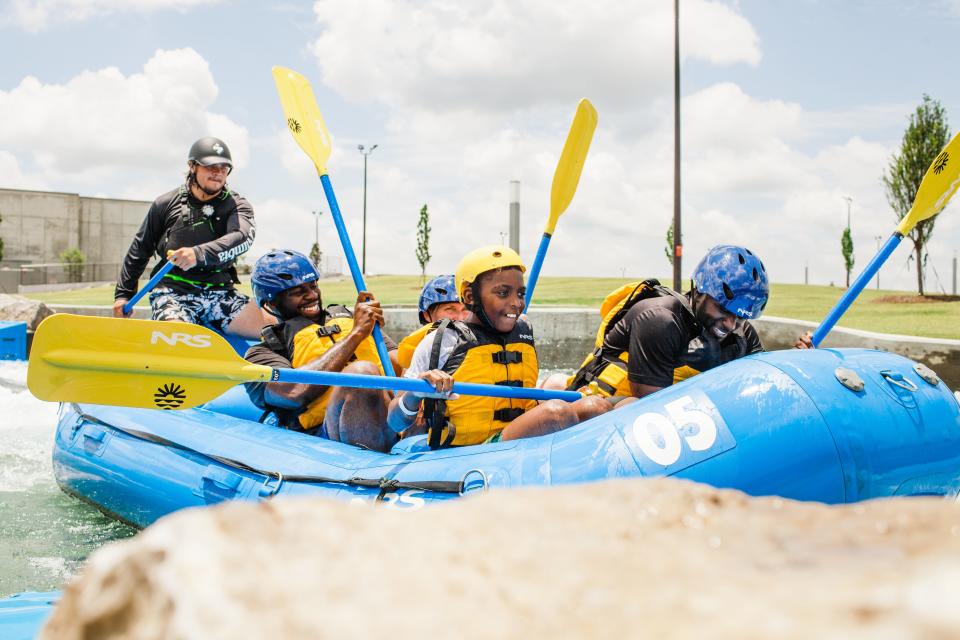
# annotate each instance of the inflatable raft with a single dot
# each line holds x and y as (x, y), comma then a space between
(830, 425)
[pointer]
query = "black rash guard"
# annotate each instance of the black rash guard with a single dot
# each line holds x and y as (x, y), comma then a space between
(172, 221)
(656, 332)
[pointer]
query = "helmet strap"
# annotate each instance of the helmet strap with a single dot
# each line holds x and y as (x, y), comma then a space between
(477, 307)
(192, 182)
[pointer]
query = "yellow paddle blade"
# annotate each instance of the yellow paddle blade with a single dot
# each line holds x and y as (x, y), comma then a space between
(567, 175)
(303, 116)
(133, 363)
(937, 187)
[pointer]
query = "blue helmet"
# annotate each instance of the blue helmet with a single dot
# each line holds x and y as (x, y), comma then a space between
(278, 271)
(440, 289)
(735, 278)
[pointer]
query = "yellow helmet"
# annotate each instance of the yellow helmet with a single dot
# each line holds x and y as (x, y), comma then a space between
(484, 259)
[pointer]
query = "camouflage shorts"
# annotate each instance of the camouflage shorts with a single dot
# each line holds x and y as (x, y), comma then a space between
(214, 308)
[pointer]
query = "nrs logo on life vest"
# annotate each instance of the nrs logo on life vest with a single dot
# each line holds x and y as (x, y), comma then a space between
(173, 339)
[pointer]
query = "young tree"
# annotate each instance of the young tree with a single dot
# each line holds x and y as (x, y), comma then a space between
(668, 248)
(423, 243)
(73, 260)
(926, 135)
(316, 255)
(846, 246)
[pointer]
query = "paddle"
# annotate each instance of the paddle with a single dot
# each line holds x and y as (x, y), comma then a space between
(565, 180)
(938, 185)
(158, 276)
(168, 365)
(308, 129)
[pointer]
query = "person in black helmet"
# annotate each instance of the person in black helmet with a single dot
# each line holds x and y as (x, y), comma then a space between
(203, 226)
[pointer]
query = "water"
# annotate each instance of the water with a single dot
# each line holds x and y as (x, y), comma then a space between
(45, 536)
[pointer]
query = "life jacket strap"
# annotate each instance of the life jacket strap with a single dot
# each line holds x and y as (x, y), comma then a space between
(508, 414)
(507, 357)
(328, 330)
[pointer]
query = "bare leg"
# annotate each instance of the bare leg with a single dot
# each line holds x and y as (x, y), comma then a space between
(547, 417)
(556, 381)
(249, 322)
(590, 407)
(359, 416)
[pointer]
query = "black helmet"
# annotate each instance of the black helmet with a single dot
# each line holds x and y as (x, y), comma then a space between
(207, 151)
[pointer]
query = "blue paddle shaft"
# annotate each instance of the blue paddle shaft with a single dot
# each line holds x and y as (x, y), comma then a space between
(355, 269)
(844, 303)
(358, 381)
(131, 303)
(535, 269)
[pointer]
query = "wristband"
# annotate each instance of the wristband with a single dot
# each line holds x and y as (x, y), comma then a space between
(408, 412)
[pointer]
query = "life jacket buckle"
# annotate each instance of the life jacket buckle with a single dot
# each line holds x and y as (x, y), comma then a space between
(328, 330)
(507, 357)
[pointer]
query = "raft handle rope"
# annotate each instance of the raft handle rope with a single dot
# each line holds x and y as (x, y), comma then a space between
(898, 380)
(484, 481)
(384, 484)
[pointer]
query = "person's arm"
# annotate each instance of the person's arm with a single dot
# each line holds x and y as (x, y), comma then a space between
(142, 247)
(240, 232)
(403, 409)
(366, 313)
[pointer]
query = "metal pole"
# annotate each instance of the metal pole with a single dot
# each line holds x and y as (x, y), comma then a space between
(677, 231)
(806, 273)
(515, 215)
(363, 241)
(954, 273)
(849, 202)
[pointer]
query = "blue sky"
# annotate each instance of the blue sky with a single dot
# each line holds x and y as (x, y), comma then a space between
(788, 107)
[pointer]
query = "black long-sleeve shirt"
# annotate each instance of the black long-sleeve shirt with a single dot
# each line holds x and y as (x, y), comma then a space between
(230, 225)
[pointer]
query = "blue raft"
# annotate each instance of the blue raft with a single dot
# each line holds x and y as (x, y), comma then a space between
(830, 425)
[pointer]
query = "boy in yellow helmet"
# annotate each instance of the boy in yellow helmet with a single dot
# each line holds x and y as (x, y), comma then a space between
(493, 345)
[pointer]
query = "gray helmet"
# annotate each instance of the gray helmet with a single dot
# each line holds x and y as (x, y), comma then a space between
(208, 151)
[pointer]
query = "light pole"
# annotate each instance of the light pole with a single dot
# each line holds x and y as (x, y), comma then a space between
(363, 251)
(316, 234)
(849, 202)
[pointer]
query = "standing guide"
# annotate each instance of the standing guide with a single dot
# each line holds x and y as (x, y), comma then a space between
(201, 226)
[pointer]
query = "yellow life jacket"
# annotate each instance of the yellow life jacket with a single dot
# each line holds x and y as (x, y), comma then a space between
(484, 356)
(611, 374)
(409, 344)
(301, 340)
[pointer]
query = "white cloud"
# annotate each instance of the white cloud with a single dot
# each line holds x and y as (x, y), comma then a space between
(15, 178)
(501, 56)
(36, 15)
(104, 127)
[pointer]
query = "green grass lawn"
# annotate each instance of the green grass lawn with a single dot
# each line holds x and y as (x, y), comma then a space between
(937, 320)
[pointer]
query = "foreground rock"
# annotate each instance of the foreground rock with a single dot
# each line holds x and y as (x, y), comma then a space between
(20, 309)
(638, 558)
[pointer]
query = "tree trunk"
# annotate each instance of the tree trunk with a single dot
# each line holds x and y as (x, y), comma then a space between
(918, 250)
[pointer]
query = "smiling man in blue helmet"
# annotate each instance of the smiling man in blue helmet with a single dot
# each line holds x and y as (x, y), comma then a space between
(312, 337)
(651, 337)
(204, 226)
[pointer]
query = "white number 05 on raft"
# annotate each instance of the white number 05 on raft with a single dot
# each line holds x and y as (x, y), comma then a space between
(682, 433)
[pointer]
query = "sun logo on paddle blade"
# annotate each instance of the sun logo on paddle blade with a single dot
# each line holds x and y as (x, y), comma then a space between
(941, 162)
(169, 396)
(294, 125)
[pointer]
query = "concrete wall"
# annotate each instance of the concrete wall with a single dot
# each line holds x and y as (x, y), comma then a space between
(38, 225)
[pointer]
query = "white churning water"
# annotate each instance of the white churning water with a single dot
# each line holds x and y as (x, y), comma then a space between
(44, 535)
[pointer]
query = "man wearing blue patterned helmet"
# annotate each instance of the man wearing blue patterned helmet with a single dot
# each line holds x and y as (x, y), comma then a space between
(315, 338)
(651, 337)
